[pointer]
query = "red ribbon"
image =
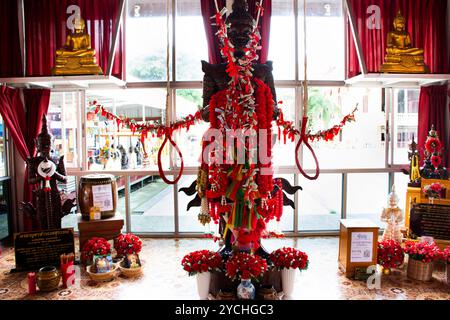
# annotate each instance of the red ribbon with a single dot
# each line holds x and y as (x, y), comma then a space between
(304, 140)
(163, 176)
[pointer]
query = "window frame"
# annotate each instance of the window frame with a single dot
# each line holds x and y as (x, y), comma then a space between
(296, 84)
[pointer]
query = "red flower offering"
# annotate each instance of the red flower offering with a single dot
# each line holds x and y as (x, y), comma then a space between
(289, 258)
(245, 266)
(445, 254)
(390, 254)
(128, 244)
(201, 261)
(422, 251)
(95, 246)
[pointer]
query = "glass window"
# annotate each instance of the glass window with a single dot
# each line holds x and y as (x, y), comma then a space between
(3, 161)
(4, 208)
(360, 144)
(325, 45)
(281, 42)
(110, 147)
(151, 202)
(401, 186)
(188, 102)
(191, 46)
(284, 154)
(286, 223)
(320, 203)
(63, 120)
(406, 119)
(188, 218)
(146, 33)
(367, 195)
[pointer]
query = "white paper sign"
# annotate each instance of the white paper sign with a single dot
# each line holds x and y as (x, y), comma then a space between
(361, 247)
(103, 197)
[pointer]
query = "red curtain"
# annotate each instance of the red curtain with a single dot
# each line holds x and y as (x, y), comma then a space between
(432, 111)
(209, 10)
(10, 57)
(426, 22)
(45, 24)
(24, 126)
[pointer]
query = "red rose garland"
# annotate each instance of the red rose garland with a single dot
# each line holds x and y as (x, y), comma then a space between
(95, 246)
(390, 254)
(128, 244)
(244, 266)
(289, 258)
(201, 261)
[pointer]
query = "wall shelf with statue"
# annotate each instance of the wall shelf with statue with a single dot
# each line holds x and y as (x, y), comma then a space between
(67, 82)
(390, 80)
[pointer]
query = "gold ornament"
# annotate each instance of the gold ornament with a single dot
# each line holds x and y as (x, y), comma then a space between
(401, 57)
(76, 57)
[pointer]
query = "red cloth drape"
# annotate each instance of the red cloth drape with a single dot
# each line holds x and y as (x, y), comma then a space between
(432, 111)
(426, 23)
(45, 32)
(209, 10)
(10, 57)
(24, 126)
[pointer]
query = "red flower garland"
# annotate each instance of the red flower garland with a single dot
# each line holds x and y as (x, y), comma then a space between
(128, 244)
(422, 251)
(245, 266)
(289, 258)
(95, 246)
(201, 261)
(390, 254)
(328, 135)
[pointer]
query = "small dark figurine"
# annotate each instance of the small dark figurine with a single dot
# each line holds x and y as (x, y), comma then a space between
(137, 150)
(44, 172)
(414, 171)
(124, 158)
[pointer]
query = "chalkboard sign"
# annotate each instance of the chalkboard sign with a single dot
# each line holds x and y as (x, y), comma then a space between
(37, 249)
(430, 220)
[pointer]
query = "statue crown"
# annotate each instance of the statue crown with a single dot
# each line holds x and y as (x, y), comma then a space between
(399, 18)
(240, 13)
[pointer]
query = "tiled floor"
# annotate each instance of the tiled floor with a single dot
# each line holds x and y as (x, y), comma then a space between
(163, 277)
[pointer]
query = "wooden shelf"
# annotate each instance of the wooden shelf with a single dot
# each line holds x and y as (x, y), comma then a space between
(67, 82)
(388, 80)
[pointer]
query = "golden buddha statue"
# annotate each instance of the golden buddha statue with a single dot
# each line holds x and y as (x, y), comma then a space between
(401, 57)
(77, 56)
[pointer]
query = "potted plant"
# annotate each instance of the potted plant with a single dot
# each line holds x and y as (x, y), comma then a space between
(446, 258)
(287, 260)
(94, 246)
(421, 258)
(129, 246)
(245, 267)
(102, 269)
(201, 263)
(390, 255)
(433, 191)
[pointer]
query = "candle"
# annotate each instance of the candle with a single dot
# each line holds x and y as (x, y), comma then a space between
(31, 283)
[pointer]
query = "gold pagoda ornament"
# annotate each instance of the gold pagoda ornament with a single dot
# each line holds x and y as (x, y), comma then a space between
(401, 57)
(77, 56)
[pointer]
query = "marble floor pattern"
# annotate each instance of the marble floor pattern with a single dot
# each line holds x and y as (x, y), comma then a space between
(164, 279)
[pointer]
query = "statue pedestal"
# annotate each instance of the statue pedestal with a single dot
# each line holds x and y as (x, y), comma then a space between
(219, 281)
(107, 228)
(404, 64)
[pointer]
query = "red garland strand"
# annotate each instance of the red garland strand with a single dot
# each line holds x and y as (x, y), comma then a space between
(328, 135)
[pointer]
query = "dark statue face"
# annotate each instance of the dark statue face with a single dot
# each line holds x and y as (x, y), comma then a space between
(44, 147)
(239, 35)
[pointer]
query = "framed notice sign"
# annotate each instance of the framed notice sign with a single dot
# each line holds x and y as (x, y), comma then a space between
(361, 247)
(103, 197)
(34, 250)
